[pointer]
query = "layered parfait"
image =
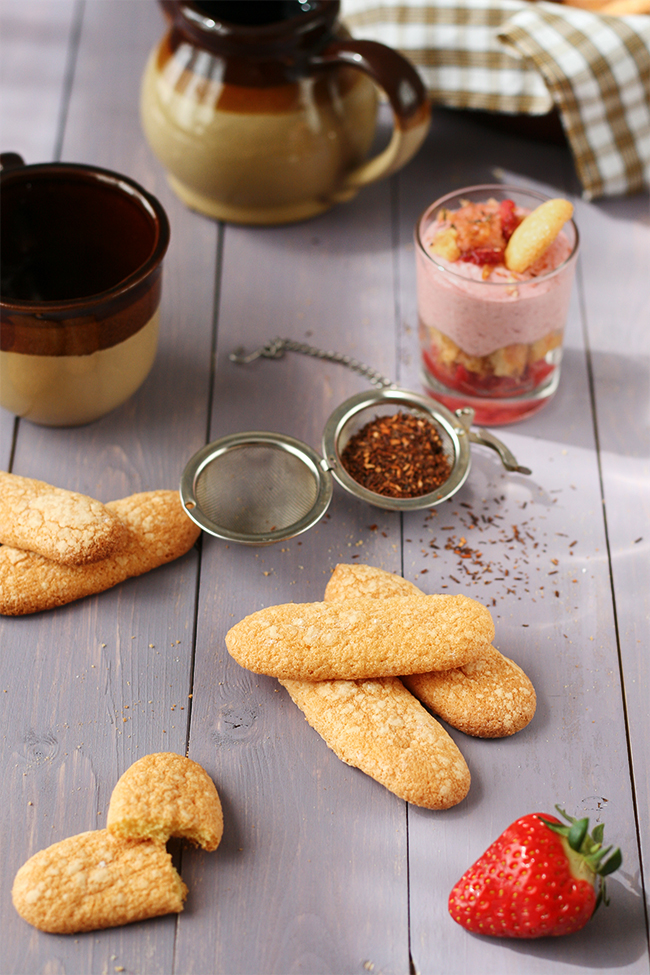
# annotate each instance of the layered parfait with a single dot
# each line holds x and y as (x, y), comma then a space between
(495, 268)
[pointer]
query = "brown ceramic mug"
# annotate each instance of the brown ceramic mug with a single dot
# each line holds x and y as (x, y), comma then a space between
(82, 252)
(264, 111)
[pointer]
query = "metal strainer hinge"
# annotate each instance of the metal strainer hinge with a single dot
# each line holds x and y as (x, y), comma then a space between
(276, 348)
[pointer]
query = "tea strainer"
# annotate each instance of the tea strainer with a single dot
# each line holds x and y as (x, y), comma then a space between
(258, 487)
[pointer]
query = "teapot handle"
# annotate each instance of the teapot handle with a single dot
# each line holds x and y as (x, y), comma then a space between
(406, 94)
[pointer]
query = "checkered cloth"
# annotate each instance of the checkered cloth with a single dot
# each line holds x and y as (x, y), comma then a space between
(514, 56)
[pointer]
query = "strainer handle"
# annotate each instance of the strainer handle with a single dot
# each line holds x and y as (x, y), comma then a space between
(486, 439)
(276, 348)
(508, 459)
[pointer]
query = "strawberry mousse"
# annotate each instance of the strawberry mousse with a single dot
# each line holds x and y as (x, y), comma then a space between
(491, 338)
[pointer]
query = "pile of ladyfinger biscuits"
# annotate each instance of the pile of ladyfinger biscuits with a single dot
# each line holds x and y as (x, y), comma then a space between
(57, 546)
(370, 666)
(109, 877)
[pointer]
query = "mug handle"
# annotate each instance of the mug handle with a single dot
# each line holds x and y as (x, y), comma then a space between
(407, 97)
(10, 160)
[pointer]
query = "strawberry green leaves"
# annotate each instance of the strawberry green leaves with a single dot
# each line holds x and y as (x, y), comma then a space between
(589, 847)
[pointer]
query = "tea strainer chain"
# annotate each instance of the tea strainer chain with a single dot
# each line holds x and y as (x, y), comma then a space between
(276, 348)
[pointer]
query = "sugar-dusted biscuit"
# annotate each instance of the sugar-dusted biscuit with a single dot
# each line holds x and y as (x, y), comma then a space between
(62, 525)
(489, 697)
(163, 795)
(536, 233)
(361, 638)
(158, 531)
(350, 581)
(378, 727)
(96, 880)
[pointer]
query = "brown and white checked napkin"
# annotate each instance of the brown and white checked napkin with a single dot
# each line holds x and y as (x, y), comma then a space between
(515, 56)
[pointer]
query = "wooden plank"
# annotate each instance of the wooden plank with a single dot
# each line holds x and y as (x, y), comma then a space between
(40, 35)
(95, 685)
(575, 750)
(616, 249)
(38, 43)
(292, 808)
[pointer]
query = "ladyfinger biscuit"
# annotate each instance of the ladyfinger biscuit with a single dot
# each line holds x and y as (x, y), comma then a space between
(536, 233)
(378, 727)
(351, 581)
(360, 638)
(490, 697)
(164, 795)
(61, 525)
(96, 880)
(157, 531)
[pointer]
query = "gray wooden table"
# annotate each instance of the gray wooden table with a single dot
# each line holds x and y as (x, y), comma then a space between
(321, 870)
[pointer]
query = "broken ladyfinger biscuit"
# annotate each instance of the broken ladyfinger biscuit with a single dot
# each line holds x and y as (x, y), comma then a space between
(158, 531)
(362, 637)
(380, 728)
(61, 525)
(489, 697)
(536, 233)
(96, 880)
(164, 795)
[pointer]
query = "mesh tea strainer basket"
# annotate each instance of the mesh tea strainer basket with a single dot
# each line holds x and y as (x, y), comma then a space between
(259, 487)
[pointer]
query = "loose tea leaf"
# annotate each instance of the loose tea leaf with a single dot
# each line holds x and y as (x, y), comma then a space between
(398, 456)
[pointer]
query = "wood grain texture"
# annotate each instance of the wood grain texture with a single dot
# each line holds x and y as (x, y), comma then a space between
(620, 366)
(108, 680)
(304, 917)
(320, 869)
(544, 568)
(37, 41)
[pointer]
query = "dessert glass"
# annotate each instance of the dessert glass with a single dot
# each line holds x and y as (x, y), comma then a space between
(491, 339)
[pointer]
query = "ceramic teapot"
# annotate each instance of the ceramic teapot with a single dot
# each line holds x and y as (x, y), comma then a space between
(264, 111)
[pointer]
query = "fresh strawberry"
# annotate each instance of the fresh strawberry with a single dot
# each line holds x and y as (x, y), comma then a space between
(540, 877)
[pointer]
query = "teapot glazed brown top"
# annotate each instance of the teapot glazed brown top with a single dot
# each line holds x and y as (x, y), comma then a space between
(264, 112)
